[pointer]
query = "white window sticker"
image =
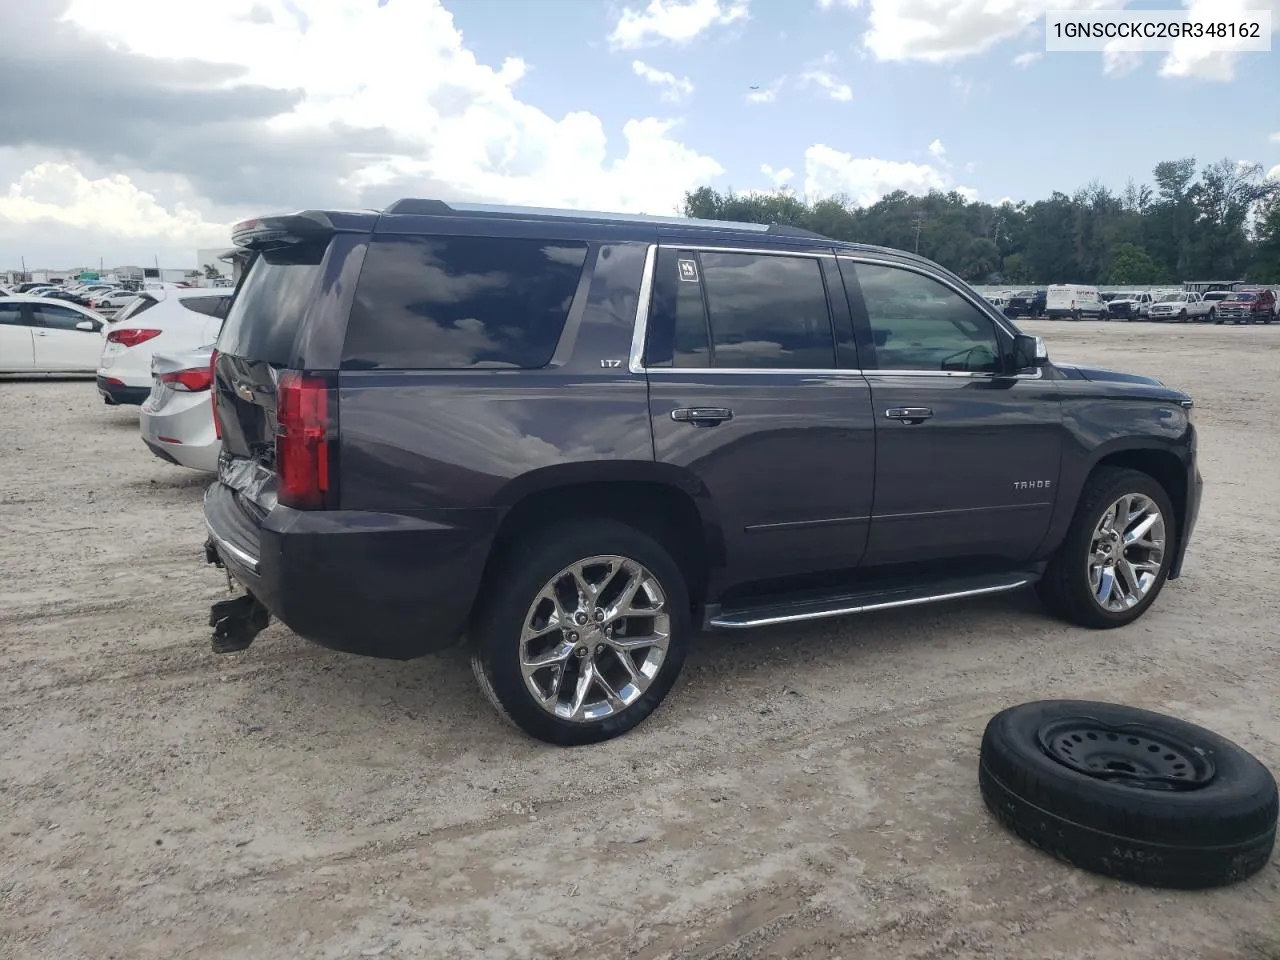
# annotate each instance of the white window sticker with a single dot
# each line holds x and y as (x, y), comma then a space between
(688, 271)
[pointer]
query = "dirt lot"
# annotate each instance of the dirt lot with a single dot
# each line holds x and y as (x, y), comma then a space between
(803, 793)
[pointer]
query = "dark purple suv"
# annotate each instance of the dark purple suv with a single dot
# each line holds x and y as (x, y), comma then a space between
(578, 439)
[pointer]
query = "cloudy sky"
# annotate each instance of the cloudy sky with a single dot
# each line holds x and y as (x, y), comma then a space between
(133, 129)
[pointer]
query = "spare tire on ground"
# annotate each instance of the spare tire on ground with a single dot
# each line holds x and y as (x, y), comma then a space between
(1128, 793)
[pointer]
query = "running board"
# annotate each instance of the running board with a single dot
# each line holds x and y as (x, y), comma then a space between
(779, 610)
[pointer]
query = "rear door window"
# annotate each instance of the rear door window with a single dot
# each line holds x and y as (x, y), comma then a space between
(459, 303)
(263, 322)
(740, 311)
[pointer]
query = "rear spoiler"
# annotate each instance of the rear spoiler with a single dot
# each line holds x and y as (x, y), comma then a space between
(281, 230)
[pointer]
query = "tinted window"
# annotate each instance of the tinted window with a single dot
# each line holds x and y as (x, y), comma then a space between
(678, 334)
(11, 314)
(56, 318)
(133, 308)
(209, 306)
(262, 323)
(762, 312)
(462, 302)
(920, 324)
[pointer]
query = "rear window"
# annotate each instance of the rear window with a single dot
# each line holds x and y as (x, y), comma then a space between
(263, 320)
(209, 306)
(134, 307)
(459, 303)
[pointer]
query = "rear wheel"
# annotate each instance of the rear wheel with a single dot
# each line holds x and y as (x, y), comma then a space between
(1115, 558)
(586, 631)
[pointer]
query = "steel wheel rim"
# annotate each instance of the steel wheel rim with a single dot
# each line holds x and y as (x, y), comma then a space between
(1132, 754)
(1126, 552)
(594, 638)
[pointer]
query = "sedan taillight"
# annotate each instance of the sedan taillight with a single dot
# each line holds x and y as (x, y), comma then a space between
(191, 380)
(213, 394)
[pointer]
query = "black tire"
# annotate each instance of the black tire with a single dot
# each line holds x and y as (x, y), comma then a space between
(1190, 839)
(1213, 314)
(1182, 317)
(1064, 589)
(1269, 317)
(516, 581)
(1075, 314)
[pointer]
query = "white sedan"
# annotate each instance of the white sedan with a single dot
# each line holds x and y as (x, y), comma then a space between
(48, 336)
(114, 300)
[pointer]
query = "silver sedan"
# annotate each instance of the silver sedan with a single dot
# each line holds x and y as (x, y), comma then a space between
(177, 418)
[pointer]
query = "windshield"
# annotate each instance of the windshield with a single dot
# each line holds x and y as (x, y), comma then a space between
(1246, 297)
(1173, 298)
(1218, 295)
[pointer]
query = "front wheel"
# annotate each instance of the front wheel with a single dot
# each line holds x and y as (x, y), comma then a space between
(584, 633)
(1213, 315)
(1115, 558)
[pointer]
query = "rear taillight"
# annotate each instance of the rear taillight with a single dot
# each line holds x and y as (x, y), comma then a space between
(213, 392)
(192, 380)
(306, 426)
(131, 337)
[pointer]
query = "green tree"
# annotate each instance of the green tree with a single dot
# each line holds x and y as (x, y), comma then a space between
(1130, 264)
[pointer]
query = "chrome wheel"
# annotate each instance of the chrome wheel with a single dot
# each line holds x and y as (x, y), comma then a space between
(1126, 553)
(594, 638)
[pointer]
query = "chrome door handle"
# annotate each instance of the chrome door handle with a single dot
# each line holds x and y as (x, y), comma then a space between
(702, 416)
(909, 414)
(39, 333)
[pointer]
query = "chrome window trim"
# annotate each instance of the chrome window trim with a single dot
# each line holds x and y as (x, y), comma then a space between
(640, 330)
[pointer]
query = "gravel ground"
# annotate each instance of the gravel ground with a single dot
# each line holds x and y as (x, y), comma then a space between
(803, 793)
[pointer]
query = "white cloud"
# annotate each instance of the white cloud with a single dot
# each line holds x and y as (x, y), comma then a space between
(463, 130)
(673, 87)
(1274, 138)
(766, 94)
(937, 149)
(817, 75)
(942, 30)
(1119, 63)
(674, 21)
(1203, 58)
(54, 216)
(831, 4)
(779, 177)
(1024, 60)
(866, 179)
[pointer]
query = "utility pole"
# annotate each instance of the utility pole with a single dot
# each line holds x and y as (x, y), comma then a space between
(919, 223)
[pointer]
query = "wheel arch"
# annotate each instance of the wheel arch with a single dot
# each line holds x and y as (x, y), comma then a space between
(664, 501)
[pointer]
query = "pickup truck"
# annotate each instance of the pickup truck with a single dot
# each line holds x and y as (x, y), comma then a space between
(1248, 306)
(1182, 306)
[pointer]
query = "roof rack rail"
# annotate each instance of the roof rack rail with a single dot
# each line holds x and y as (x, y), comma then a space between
(437, 208)
(786, 230)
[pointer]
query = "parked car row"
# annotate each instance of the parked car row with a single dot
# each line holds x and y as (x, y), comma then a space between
(1080, 301)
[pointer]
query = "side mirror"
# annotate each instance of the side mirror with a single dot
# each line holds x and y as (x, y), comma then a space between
(86, 325)
(1029, 352)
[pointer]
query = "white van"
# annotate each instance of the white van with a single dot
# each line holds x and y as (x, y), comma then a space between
(1074, 301)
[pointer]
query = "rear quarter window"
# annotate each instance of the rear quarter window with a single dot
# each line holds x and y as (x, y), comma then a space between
(461, 303)
(263, 321)
(208, 306)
